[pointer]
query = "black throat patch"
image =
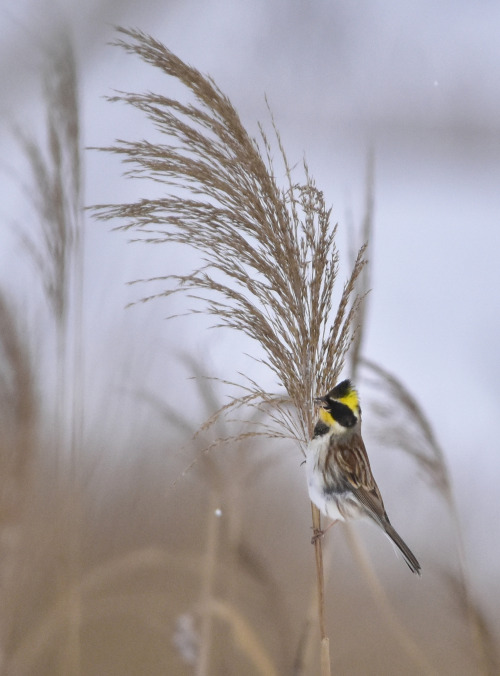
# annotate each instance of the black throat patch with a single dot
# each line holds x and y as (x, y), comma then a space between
(320, 429)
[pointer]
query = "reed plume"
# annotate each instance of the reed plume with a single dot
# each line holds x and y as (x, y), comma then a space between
(270, 260)
(270, 256)
(55, 189)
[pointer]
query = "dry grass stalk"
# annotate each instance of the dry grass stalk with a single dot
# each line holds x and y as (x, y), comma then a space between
(194, 637)
(18, 426)
(355, 361)
(244, 637)
(18, 407)
(416, 438)
(302, 665)
(270, 260)
(363, 282)
(405, 640)
(55, 192)
(474, 615)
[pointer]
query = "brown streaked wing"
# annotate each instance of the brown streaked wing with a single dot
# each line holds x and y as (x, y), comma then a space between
(352, 460)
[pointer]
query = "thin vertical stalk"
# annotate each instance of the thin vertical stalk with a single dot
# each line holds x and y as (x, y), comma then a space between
(208, 582)
(57, 253)
(320, 578)
(485, 656)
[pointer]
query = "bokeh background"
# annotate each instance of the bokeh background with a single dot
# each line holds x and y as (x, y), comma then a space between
(416, 85)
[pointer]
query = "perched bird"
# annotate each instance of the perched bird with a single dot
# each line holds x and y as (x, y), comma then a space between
(339, 476)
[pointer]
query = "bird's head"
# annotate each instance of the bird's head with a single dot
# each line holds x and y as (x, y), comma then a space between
(340, 405)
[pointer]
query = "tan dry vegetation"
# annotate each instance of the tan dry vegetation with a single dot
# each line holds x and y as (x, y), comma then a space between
(125, 565)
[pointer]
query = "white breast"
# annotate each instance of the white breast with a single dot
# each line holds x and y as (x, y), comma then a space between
(315, 456)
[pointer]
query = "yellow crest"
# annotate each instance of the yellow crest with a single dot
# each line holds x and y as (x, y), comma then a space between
(351, 400)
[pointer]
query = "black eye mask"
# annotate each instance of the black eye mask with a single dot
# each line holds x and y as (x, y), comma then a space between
(341, 413)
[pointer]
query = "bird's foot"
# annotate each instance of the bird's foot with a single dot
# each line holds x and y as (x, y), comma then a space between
(318, 534)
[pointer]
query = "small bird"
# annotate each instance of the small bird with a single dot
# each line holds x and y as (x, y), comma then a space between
(339, 476)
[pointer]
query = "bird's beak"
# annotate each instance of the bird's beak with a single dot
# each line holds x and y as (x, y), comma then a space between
(319, 401)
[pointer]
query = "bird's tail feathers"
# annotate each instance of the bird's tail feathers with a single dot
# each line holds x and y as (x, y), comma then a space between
(408, 555)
